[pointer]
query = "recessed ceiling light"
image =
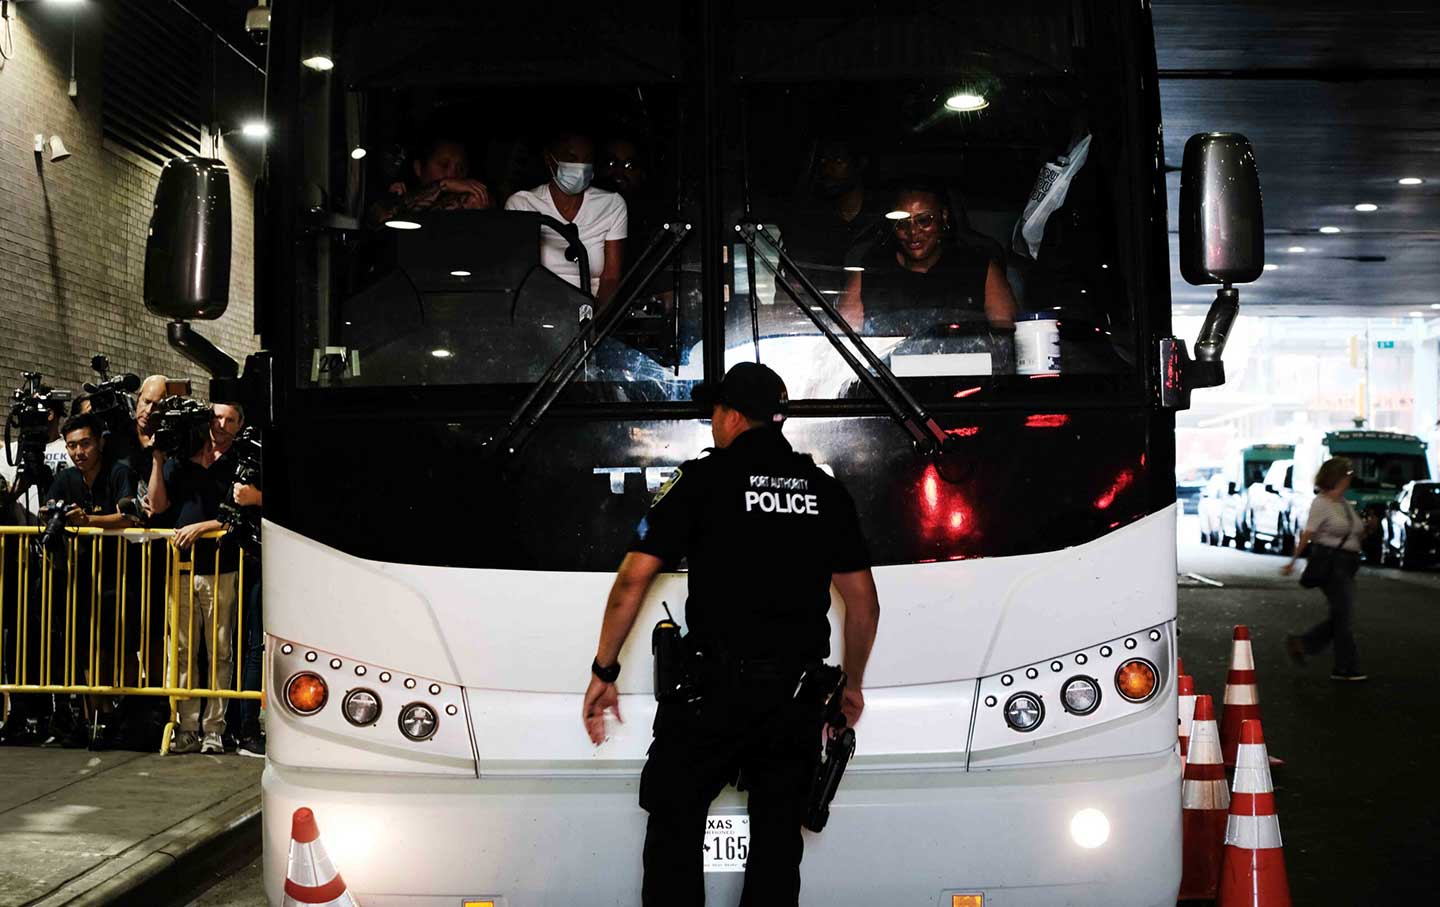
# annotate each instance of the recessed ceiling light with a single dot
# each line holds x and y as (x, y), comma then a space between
(1296, 250)
(402, 225)
(441, 354)
(357, 152)
(1272, 267)
(319, 63)
(966, 102)
(1417, 314)
(855, 268)
(459, 273)
(897, 215)
(1367, 207)
(1330, 230)
(1435, 305)
(1410, 181)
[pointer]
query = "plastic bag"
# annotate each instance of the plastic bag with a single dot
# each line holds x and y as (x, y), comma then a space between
(1047, 196)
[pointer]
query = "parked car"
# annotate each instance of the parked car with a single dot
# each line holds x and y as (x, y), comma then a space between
(1269, 513)
(1248, 466)
(1219, 508)
(1411, 530)
(1188, 484)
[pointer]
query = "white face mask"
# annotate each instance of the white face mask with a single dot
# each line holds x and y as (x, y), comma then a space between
(573, 179)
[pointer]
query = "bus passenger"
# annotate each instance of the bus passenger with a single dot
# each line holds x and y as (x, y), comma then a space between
(838, 221)
(569, 196)
(442, 183)
(923, 277)
(765, 532)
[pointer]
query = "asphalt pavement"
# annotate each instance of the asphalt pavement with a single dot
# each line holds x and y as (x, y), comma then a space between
(1356, 797)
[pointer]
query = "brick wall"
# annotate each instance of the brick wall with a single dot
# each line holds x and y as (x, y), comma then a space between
(72, 234)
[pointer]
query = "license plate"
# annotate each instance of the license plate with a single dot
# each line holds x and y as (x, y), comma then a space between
(727, 843)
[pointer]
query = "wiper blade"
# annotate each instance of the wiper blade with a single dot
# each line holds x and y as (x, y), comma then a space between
(926, 434)
(513, 434)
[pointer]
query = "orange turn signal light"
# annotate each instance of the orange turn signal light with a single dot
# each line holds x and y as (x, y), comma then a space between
(1136, 680)
(306, 693)
(967, 900)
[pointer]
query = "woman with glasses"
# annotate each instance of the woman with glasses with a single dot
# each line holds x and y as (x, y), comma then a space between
(922, 277)
(1334, 525)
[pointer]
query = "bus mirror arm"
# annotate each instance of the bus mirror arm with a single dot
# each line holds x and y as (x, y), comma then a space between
(925, 433)
(516, 430)
(1179, 373)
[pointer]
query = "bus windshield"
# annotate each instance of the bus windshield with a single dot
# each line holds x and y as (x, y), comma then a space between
(947, 179)
(1386, 471)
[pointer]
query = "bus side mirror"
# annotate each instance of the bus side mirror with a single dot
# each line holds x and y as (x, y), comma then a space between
(1271, 489)
(1222, 241)
(187, 252)
(187, 257)
(1233, 490)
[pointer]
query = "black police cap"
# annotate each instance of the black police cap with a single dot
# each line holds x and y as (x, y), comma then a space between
(751, 388)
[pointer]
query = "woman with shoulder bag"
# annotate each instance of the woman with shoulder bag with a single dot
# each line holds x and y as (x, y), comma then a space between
(1332, 535)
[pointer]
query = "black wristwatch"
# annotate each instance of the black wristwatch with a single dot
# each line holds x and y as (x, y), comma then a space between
(609, 674)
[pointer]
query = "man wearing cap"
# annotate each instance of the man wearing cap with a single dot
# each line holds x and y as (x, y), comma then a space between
(765, 533)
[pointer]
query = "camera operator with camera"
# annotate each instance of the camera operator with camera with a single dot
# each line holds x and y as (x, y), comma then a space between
(186, 496)
(238, 469)
(33, 449)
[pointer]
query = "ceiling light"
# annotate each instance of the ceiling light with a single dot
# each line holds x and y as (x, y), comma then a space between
(1272, 267)
(402, 225)
(854, 268)
(319, 63)
(1295, 250)
(1330, 230)
(1367, 207)
(441, 354)
(1417, 314)
(459, 273)
(966, 102)
(357, 153)
(897, 215)
(255, 129)
(1410, 181)
(1435, 305)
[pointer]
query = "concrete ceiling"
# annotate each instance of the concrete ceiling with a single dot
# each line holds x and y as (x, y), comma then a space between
(1340, 100)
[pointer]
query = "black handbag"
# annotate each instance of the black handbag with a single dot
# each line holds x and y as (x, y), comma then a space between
(1319, 566)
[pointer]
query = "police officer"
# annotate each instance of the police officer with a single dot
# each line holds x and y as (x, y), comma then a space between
(765, 533)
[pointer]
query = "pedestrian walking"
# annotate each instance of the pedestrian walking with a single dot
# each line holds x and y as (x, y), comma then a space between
(1331, 543)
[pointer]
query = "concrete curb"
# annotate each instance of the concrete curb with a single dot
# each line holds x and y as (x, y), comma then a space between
(167, 867)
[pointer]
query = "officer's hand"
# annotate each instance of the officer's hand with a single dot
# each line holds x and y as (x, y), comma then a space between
(851, 705)
(599, 697)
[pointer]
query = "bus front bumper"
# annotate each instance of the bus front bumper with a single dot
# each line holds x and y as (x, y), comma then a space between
(896, 836)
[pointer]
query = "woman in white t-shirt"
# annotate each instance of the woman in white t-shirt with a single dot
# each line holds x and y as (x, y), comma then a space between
(1333, 523)
(600, 215)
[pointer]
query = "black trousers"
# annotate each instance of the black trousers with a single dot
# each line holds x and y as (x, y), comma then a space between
(1338, 628)
(748, 724)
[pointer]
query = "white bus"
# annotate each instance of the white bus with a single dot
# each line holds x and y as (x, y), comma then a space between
(445, 508)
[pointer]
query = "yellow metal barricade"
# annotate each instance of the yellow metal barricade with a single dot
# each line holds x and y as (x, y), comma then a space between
(101, 612)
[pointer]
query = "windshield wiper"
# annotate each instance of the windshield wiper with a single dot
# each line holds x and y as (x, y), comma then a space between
(513, 434)
(926, 434)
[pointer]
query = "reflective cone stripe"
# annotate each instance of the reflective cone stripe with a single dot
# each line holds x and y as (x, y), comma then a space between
(310, 878)
(1242, 696)
(1187, 713)
(1253, 868)
(1204, 801)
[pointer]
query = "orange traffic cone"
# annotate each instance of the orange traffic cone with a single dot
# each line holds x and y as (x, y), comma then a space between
(311, 877)
(1242, 696)
(1187, 713)
(1253, 869)
(1204, 800)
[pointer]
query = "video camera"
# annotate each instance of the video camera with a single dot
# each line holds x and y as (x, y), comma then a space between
(30, 419)
(110, 396)
(244, 522)
(53, 513)
(182, 426)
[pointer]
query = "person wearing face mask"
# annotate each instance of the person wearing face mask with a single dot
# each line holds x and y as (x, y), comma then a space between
(602, 216)
(922, 278)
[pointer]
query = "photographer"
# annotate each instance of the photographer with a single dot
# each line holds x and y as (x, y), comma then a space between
(238, 469)
(24, 479)
(186, 496)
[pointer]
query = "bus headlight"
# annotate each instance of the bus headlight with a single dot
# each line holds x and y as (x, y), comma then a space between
(418, 721)
(1080, 695)
(1090, 828)
(1136, 680)
(1024, 712)
(361, 707)
(306, 693)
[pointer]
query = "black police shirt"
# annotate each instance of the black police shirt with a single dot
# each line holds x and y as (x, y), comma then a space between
(195, 494)
(762, 528)
(113, 482)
